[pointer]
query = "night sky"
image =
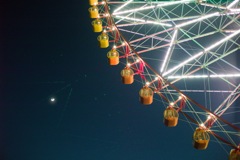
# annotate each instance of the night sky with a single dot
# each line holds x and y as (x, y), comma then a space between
(49, 50)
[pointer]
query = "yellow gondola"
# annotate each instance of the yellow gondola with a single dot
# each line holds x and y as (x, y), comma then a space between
(93, 11)
(97, 25)
(103, 40)
(93, 2)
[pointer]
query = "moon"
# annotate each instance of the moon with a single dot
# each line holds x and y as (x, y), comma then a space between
(52, 99)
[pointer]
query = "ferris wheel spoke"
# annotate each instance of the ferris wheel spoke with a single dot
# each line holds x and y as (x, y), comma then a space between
(196, 37)
(203, 91)
(150, 36)
(153, 5)
(143, 36)
(213, 6)
(180, 18)
(122, 6)
(169, 51)
(232, 4)
(197, 20)
(201, 53)
(229, 101)
(217, 58)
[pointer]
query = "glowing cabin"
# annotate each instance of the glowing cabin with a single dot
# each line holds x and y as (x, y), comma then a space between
(93, 2)
(103, 40)
(93, 11)
(97, 25)
(170, 117)
(234, 154)
(113, 57)
(127, 76)
(146, 96)
(200, 139)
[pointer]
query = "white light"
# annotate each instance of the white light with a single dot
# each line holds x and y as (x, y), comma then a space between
(232, 4)
(156, 78)
(133, 10)
(123, 43)
(146, 21)
(229, 31)
(128, 64)
(202, 125)
(114, 46)
(198, 19)
(168, 51)
(180, 97)
(104, 31)
(137, 60)
(103, 2)
(159, 23)
(123, 5)
(171, 104)
(148, 7)
(188, 76)
(209, 117)
(223, 40)
(183, 63)
(201, 53)
(225, 75)
(133, 19)
(237, 10)
(176, 2)
(147, 83)
(203, 76)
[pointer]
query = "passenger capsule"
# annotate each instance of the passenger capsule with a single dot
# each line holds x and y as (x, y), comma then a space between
(146, 96)
(93, 12)
(200, 139)
(170, 117)
(234, 155)
(127, 76)
(113, 57)
(97, 25)
(93, 2)
(103, 40)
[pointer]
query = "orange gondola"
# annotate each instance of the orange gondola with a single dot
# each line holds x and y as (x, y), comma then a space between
(146, 95)
(200, 139)
(127, 75)
(234, 154)
(170, 117)
(113, 57)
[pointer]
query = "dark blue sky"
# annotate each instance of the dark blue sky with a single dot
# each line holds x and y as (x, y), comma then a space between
(50, 50)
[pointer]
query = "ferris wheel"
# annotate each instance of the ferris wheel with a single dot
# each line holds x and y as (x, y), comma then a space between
(185, 54)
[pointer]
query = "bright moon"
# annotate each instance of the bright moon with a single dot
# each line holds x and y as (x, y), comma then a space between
(52, 99)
